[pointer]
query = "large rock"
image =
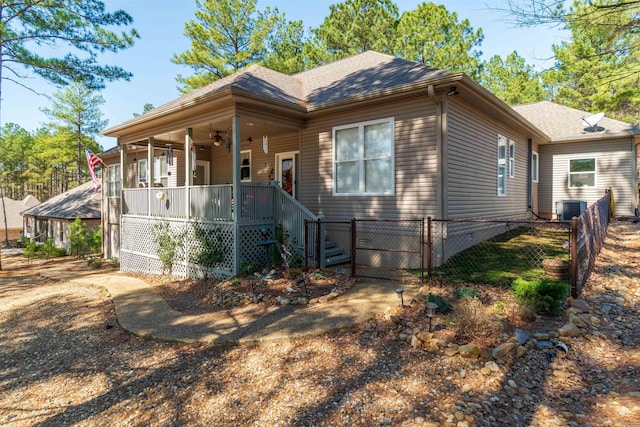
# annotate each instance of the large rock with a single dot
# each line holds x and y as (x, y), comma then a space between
(580, 304)
(521, 336)
(469, 351)
(569, 330)
(576, 320)
(502, 350)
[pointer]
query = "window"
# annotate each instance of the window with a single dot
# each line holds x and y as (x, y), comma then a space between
(245, 166)
(502, 165)
(113, 181)
(142, 171)
(161, 171)
(363, 160)
(582, 173)
(535, 166)
(512, 158)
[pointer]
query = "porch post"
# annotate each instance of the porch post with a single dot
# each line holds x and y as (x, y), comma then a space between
(237, 202)
(150, 171)
(188, 169)
(123, 167)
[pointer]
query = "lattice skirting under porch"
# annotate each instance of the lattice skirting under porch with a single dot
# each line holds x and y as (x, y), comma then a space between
(194, 241)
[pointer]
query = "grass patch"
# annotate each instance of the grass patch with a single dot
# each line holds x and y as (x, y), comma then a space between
(504, 258)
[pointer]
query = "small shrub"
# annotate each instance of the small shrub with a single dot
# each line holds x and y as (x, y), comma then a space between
(95, 262)
(464, 292)
(498, 307)
(114, 263)
(168, 244)
(317, 276)
(475, 323)
(444, 306)
(247, 268)
(49, 250)
(544, 296)
(234, 281)
(295, 260)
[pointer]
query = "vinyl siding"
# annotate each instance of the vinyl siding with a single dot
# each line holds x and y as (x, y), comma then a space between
(415, 164)
(471, 180)
(261, 163)
(614, 168)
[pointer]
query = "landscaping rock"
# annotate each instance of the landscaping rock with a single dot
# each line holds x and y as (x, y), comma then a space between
(580, 304)
(569, 330)
(469, 351)
(521, 336)
(502, 350)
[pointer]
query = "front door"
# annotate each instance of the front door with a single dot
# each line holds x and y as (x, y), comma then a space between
(286, 171)
(201, 176)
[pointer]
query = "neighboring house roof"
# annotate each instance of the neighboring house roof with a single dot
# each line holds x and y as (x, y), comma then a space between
(564, 124)
(80, 202)
(13, 209)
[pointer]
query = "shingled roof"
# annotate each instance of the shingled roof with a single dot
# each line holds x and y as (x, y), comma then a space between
(80, 202)
(563, 124)
(13, 209)
(359, 76)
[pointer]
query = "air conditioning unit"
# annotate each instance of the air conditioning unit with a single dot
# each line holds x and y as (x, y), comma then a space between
(567, 209)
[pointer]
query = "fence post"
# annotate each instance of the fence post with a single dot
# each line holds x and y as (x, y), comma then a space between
(320, 243)
(573, 275)
(353, 247)
(422, 250)
(429, 249)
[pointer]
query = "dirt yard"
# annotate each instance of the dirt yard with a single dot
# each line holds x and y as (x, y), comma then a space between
(64, 360)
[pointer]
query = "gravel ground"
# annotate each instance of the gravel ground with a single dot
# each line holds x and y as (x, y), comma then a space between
(65, 361)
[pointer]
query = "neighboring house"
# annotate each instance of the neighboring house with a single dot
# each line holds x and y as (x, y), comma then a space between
(370, 136)
(50, 219)
(11, 221)
(582, 159)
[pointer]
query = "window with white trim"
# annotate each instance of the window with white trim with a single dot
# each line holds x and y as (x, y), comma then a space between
(511, 155)
(363, 158)
(245, 166)
(502, 165)
(142, 171)
(114, 186)
(161, 171)
(582, 172)
(535, 166)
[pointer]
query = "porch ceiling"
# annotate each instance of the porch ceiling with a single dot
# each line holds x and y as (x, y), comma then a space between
(205, 133)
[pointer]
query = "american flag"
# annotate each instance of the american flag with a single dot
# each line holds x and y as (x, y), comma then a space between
(93, 161)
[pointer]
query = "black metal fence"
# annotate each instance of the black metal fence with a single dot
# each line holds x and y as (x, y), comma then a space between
(492, 252)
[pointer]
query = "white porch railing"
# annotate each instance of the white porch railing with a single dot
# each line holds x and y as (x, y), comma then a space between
(259, 205)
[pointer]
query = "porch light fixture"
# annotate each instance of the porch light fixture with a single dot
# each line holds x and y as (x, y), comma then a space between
(250, 140)
(453, 91)
(216, 139)
(431, 311)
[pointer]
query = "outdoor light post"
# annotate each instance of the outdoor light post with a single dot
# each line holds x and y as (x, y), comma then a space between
(400, 291)
(431, 311)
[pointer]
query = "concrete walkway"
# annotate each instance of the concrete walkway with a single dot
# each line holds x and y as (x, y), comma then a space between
(142, 311)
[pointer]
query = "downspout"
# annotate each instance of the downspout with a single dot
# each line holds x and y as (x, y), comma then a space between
(441, 175)
(529, 176)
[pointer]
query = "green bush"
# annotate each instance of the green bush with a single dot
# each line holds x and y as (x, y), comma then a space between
(95, 262)
(544, 296)
(444, 306)
(464, 292)
(168, 244)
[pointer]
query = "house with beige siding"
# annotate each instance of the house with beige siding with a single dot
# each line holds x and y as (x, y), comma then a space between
(581, 160)
(51, 219)
(370, 136)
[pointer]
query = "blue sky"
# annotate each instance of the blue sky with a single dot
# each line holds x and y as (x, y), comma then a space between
(161, 25)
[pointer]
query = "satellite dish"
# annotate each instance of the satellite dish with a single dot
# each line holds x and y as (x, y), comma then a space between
(591, 123)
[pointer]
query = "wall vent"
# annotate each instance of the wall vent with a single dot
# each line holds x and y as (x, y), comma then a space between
(567, 209)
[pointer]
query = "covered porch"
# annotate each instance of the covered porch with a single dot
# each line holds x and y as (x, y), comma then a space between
(221, 184)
